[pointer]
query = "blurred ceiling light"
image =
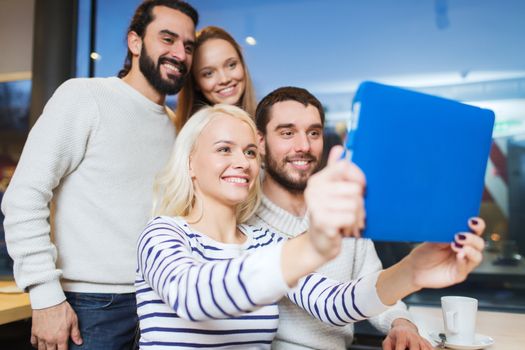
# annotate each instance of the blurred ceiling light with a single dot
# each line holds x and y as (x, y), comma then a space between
(95, 56)
(250, 40)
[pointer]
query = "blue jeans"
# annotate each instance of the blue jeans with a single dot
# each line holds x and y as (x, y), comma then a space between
(106, 321)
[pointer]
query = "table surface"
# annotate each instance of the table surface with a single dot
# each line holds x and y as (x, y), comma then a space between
(507, 329)
(13, 307)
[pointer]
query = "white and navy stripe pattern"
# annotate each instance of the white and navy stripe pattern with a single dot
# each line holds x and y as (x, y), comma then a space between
(194, 292)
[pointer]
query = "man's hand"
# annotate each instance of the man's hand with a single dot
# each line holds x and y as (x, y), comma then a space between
(404, 335)
(53, 326)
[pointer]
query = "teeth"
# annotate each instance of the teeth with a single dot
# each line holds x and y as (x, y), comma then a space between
(300, 162)
(227, 90)
(171, 67)
(239, 180)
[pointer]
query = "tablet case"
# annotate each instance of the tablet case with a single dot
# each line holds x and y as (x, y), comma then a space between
(424, 158)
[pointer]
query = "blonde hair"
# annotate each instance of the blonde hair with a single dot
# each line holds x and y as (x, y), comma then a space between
(173, 193)
(189, 99)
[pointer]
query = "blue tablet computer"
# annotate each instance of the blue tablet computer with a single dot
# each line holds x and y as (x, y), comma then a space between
(424, 158)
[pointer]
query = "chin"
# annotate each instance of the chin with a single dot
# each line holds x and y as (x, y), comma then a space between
(236, 200)
(232, 100)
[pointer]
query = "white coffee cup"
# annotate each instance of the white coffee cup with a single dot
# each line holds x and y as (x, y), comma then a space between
(459, 316)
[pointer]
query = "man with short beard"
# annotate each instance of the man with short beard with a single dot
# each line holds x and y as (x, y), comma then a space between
(290, 122)
(94, 153)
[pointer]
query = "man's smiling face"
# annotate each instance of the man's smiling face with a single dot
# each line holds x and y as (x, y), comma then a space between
(293, 144)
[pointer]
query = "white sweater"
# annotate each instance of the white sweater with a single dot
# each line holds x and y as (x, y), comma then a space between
(94, 151)
(297, 329)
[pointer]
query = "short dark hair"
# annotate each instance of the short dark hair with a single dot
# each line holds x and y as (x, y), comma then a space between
(286, 93)
(144, 16)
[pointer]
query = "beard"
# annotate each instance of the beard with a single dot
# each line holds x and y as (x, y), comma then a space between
(278, 172)
(153, 75)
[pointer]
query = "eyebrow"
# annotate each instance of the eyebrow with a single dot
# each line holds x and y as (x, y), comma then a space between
(233, 143)
(205, 68)
(169, 32)
(284, 126)
(175, 35)
(291, 125)
(226, 61)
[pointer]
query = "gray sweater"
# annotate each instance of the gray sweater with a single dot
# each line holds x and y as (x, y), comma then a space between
(94, 153)
(297, 329)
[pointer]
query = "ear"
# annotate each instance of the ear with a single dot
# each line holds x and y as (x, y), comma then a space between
(134, 43)
(262, 144)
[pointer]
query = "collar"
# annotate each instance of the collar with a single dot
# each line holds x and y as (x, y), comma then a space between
(280, 220)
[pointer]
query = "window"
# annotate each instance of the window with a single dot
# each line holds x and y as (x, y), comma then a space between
(469, 51)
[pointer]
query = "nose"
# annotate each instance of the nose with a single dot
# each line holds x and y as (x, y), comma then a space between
(178, 51)
(240, 161)
(302, 143)
(224, 77)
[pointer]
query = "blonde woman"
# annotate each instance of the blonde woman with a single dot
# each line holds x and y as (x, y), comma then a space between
(205, 279)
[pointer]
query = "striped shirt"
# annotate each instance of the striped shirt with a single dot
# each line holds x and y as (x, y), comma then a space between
(194, 292)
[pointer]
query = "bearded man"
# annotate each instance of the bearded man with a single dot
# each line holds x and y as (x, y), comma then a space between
(290, 123)
(94, 153)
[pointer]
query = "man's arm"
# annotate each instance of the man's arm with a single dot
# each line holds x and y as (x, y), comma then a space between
(55, 147)
(368, 262)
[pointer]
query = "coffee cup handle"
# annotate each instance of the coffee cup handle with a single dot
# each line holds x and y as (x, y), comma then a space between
(451, 321)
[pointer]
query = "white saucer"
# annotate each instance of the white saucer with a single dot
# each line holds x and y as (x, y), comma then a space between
(480, 342)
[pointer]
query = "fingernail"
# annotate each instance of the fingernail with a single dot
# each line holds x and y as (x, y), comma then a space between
(461, 237)
(458, 245)
(474, 221)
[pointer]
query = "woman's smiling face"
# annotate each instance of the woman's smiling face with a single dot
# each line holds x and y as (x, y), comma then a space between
(225, 163)
(218, 72)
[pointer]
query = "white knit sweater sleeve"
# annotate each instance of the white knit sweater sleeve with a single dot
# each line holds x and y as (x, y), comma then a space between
(55, 147)
(371, 263)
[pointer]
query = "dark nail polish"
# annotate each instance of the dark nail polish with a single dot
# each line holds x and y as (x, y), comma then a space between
(458, 245)
(461, 237)
(474, 221)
